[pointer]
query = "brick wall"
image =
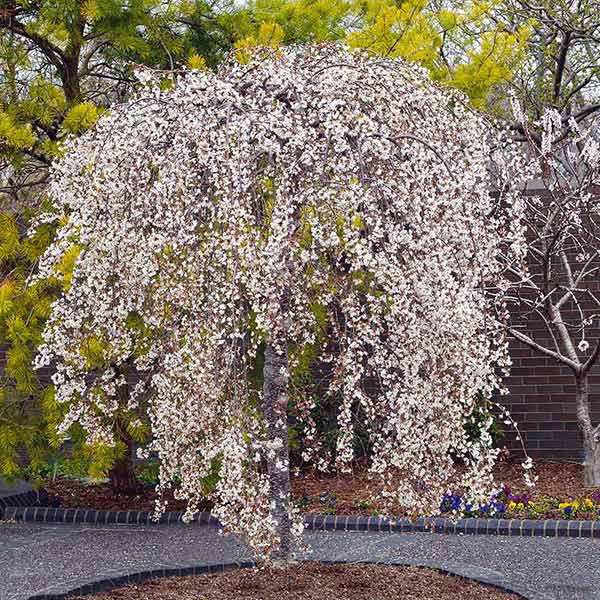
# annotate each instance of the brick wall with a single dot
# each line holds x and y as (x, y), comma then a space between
(542, 401)
(542, 392)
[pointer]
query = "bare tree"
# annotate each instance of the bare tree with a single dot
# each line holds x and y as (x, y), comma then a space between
(562, 67)
(558, 283)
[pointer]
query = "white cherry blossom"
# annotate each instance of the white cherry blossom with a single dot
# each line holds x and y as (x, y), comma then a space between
(312, 197)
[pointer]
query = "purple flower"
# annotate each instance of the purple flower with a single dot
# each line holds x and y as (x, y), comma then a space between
(519, 498)
(450, 502)
(500, 507)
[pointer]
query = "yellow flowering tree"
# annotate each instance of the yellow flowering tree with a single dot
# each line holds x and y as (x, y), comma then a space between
(459, 43)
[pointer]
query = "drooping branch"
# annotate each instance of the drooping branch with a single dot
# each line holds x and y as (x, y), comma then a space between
(191, 208)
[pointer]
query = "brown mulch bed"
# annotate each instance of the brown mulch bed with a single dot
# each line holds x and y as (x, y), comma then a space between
(74, 493)
(338, 494)
(561, 480)
(312, 581)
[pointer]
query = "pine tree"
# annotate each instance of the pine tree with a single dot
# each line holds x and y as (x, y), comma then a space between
(27, 411)
(61, 65)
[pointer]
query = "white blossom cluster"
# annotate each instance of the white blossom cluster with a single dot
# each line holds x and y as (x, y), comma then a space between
(319, 175)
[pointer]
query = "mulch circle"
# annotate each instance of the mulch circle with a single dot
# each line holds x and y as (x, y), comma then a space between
(311, 581)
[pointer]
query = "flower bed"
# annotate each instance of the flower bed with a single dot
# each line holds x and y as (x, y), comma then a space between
(559, 494)
(506, 504)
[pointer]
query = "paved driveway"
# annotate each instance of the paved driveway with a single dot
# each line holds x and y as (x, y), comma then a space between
(46, 558)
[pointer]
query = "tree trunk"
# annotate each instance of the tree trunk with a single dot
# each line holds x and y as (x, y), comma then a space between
(70, 79)
(121, 475)
(591, 443)
(275, 398)
(591, 467)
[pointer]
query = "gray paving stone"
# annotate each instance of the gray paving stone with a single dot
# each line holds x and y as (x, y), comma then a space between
(538, 568)
(54, 558)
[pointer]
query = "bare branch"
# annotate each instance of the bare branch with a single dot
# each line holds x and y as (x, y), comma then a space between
(538, 347)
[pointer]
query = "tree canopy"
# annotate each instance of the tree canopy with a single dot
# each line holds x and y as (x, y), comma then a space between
(461, 44)
(561, 68)
(63, 63)
(314, 194)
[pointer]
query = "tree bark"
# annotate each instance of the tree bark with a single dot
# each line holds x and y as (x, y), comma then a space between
(70, 80)
(591, 443)
(592, 463)
(122, 475)
(275, 398)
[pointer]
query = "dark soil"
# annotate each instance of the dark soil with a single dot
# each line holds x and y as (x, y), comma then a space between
(75, 493)
(311, 581)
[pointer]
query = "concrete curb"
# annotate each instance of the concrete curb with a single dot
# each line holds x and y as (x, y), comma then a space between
(471, 526)
(46, 514)
(31, 498)
(107, 584)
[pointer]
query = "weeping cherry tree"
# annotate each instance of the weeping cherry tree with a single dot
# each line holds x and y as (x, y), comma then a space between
(312, 194)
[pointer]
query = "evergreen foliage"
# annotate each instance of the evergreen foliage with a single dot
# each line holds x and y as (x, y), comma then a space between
(28, 413)
(63, 62)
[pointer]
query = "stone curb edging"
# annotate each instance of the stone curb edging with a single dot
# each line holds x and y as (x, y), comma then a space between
(31, 498)
(470, 526)
(46, 514)
(133, 578)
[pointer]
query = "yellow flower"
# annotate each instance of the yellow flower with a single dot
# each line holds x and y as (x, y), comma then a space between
(511, 505)
(531, 503)
(564, 505)
(520, 506)
(588, 503)
(195, 61)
